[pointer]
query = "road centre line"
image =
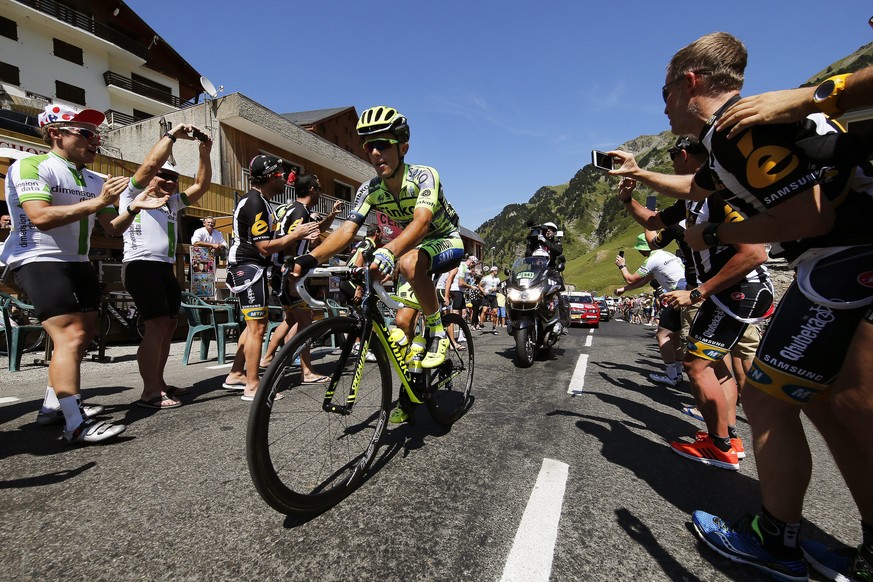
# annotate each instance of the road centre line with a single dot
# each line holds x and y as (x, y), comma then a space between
(577, 382)
(588, 341)
(591, 331)
(8, 399)
(530, 558)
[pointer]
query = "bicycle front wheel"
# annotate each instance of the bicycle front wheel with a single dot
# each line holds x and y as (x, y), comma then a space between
(450, 383)
(309, 445)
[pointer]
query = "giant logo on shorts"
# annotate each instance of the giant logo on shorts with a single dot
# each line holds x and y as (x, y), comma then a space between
(799, 393)
(866, 279)
(758, 376)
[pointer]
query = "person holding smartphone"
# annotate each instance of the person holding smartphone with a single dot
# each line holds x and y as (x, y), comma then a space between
(815, 211)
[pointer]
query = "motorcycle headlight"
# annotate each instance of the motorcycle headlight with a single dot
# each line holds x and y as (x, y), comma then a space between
(524, 294)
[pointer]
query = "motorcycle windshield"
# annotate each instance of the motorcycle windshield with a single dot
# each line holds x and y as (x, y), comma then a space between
(528, 271)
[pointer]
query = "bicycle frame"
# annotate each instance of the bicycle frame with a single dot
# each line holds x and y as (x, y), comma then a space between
(373, 325)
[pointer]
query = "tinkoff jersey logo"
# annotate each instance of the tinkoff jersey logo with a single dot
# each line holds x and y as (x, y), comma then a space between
(818, 319)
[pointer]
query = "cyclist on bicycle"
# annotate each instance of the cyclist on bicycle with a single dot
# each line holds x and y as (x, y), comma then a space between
(412, 196)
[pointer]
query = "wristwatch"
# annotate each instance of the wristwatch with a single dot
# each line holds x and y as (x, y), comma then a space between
(710, 235)
(696, 296)
(827, 94)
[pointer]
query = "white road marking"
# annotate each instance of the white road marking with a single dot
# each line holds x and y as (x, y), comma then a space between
(530, 558)
(591, 331)
(588, 341)
(577, 382)
(8, 399)
(219, 367)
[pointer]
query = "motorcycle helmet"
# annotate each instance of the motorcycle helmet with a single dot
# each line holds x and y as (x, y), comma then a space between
(551, 225)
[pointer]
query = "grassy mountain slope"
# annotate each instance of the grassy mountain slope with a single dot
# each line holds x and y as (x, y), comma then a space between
(594, 222)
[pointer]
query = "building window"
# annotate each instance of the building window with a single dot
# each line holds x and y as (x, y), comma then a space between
(342, 191)
(69, 92)
(8, 28)
(149, 84)
(141, 115)
(68, 52)
(9, 74)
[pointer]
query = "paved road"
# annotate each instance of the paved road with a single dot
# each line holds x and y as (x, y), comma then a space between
(172, 498)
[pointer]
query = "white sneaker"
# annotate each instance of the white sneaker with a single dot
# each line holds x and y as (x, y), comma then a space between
(663, 379)
(93, 431)
(370, 357)
(57, 416)
(462, 339)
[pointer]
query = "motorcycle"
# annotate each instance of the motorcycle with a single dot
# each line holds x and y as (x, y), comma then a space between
(533, 311)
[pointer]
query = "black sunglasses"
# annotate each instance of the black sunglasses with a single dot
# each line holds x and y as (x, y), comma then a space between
(673, 152)
(168, 176)
(379, 144)
(666, 93)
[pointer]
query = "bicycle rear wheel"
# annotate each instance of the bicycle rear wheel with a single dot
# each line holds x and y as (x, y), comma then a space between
(450, 383)
(302, 458)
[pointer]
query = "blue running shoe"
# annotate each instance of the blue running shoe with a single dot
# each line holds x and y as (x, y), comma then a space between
(742, 543)
(840, 565)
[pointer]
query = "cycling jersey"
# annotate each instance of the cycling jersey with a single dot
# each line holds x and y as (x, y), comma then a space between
(51, 178)
(713, 209)
(767, 165)
(421, 189)
(289, 217)
(675, 231)
(667, 269)
(153, 234)
(252, 223)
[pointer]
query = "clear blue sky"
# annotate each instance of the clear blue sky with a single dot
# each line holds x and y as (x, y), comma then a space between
(502, 97)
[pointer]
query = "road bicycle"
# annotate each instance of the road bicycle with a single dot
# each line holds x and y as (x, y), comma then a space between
(117, 306)
(309, 445)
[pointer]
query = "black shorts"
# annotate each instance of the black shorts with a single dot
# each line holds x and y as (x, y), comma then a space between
(458, 302)
(59, 288)
(715, 332)
(670, 319)
(804, 348)
(154, 288)
(490, 301)
(253, 299)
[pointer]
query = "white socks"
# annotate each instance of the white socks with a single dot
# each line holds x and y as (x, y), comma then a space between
(72, 413)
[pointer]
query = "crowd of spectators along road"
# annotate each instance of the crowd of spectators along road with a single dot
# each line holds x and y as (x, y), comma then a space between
(816, 357)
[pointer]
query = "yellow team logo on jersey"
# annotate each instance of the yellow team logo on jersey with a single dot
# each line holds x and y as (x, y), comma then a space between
(768, 164)
(260, 225)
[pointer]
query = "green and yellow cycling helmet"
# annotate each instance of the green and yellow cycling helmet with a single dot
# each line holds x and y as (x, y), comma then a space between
(382, 119)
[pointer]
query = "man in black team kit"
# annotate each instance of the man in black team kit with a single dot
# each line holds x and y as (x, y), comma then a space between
(248, 260)
(817, 207)
(297, 314)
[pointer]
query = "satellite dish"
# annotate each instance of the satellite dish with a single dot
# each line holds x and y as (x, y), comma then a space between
(208, 87)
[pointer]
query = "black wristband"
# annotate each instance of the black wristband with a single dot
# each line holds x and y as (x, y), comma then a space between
(710, 235)
(306, 263)
(171, 136)
(132, 212)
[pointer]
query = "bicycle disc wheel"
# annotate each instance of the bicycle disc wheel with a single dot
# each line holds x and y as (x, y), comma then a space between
(450, 383)
(302, 458)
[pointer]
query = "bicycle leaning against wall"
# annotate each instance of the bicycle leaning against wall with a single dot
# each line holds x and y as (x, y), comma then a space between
(309, 445)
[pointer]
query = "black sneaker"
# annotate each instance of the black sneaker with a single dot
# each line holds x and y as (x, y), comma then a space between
(848, 564)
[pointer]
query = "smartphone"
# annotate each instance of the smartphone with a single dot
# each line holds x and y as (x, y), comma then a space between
(197, 134)
(621, 253)
(652, 202)
(602, 161)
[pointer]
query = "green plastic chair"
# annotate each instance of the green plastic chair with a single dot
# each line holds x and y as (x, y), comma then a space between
(202, 321)
(16, 335)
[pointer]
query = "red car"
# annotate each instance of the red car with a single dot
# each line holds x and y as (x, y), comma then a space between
(583, 309)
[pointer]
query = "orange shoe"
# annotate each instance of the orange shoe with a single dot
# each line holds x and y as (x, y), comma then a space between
(704, 451)
(736, 443)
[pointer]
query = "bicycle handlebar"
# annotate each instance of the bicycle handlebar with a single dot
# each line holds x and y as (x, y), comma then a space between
(330, 271)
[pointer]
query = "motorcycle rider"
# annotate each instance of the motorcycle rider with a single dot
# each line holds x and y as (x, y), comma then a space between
(545, 244)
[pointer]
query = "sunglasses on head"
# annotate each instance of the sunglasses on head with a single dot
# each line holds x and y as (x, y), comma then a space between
(81, 132)
(168, 176)
(379, 144)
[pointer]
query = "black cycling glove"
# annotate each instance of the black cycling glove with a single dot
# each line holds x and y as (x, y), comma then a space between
(306, 263)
